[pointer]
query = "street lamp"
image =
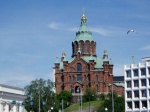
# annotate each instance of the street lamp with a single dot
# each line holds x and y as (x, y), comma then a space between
(52, 108)
(106, 109)
(112, 97)
(39, 95)
(78, 97)
(89, 102)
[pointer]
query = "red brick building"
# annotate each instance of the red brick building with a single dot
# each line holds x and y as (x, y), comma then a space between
(84, 69)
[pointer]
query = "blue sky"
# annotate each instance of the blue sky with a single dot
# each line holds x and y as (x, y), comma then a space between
(34, 32)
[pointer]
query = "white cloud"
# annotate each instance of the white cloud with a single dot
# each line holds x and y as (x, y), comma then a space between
(54, 25)
(100, 31)
(145, 48)
(104, 31)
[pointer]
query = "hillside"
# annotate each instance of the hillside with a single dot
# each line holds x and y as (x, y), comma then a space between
(85, 107)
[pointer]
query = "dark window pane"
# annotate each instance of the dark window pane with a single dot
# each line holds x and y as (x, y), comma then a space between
(79, 78)
(128, 73)
(79, 67)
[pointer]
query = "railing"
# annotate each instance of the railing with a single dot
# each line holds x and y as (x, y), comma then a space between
(127, 66)
(142, 64)
(135, 65)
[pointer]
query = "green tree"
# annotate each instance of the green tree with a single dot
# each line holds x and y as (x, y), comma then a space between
(43, 90)
(102, 96)
(66, 96)
(90, 95)
(119, 103)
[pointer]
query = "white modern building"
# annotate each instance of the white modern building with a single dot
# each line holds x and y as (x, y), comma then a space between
(11, 99)
(137, 86)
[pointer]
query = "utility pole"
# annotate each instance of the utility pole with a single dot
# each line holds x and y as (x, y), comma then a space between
(62, 106)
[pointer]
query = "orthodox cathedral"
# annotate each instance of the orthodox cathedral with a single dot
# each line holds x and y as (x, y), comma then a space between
(84, 69)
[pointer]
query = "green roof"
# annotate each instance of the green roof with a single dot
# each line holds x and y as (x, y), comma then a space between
(99, 61)
(119, 84)
(83, 33)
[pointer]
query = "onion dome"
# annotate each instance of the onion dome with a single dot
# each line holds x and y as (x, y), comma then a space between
(83, 33)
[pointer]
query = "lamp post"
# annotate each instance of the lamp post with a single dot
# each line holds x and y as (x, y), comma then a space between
(106, 109)
(90, 102)
(112, 97)
(39, 95)
(78, 97)
(51, 109)
(81, 100)
(62, 105)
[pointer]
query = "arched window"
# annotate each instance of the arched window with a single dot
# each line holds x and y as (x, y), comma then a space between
(89, 78)
(87, 48)
(97, 88)
(85, 78)
(79, 67)
(76, 48)
(96, 77)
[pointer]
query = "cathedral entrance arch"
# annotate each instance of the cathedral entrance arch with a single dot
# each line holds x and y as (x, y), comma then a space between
(77, 89)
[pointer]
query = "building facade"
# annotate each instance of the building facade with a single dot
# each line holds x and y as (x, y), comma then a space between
(11, 99)
(118, 85)
(137, 86)
(84, 69)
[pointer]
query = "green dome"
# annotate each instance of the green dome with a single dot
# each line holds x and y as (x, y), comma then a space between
(83, 33)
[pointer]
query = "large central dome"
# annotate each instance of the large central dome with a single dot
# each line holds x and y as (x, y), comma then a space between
(83, 33)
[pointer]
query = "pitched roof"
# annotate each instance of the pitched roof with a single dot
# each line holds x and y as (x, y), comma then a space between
(118, 78)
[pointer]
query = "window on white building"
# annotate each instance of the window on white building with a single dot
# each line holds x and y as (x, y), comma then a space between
(144, 94)
(129, 104)
(128, 84)
(128, 73)
(143, 82)
(144, 104)
(136, 83)
(149, 70)
(136, 103)
(143, 71)
(136, 94)
(129, 94)
(135, 73)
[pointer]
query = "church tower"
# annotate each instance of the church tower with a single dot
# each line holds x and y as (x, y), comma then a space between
(84, 69)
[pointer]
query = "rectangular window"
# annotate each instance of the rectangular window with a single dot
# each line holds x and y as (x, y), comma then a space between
(129, 94)
(128, 84)
(136, 103)
(149, 71)
(143, 71)
(128, 73)
(129, 104)
(144, 94)
(136, 83)
(144, 104)
(79, 77)
(136, 94)
(143, 82)
(135, 73)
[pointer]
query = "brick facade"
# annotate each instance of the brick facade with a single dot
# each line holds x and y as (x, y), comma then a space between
(84, 69)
